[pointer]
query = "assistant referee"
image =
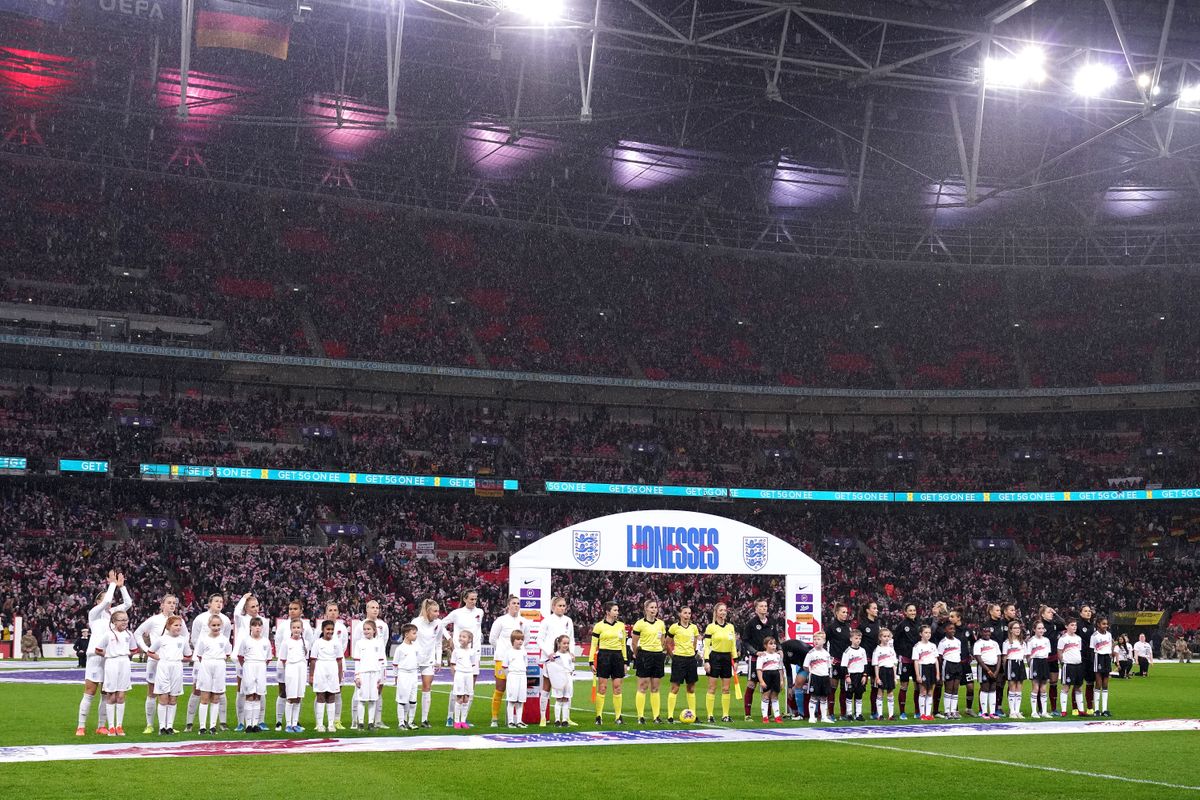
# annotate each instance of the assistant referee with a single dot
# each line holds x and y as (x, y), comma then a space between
(608, 660)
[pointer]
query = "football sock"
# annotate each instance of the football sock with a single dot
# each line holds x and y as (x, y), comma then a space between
(85, 707)
(151, 709)
(639, 703)
(497, 701)
(656, 704)
(426, 697)
(691, 701)
(710, 702)
(671, 699)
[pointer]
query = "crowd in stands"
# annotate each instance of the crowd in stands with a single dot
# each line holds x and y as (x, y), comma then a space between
(307, 276)
(264, 430)
(56, 540)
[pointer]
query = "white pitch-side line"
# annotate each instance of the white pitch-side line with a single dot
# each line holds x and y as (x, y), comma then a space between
(1019, 765)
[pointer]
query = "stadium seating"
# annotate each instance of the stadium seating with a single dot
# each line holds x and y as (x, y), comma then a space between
(1102, 555)
(304, 276)
(264, 430)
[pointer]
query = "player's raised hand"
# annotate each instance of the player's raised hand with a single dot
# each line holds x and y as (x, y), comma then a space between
(112, 576)
(120, 579)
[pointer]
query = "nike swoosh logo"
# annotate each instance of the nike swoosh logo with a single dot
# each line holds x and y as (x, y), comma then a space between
(529, 582)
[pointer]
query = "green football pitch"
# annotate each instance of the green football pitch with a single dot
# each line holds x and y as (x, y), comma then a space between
(1098, 765)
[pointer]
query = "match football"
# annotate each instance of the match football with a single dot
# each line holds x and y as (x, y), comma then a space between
(617, 398)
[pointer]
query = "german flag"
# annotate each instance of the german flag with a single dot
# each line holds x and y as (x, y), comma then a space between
(244, 26)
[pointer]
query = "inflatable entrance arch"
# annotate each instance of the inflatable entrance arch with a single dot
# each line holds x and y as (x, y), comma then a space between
(681, 542)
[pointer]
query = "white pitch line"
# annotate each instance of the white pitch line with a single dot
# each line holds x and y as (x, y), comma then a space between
(1019, 765)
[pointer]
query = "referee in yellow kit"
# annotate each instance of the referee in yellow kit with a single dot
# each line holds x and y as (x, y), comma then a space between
(720, 652)
(608, 660)
(649, 660)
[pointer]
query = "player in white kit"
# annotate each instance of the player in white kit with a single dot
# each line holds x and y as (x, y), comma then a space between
(283, 633)
(408, 670)
(247, 609)
(168, 652)
(429, 645)
(342, 637)
(370, 663)
(464, 664)
(115, 648)
(556, 624)
(383, 634)
(467, 617)
(200, 629)
(98, 623)
(501, 640)
(146, 633)
(253, 652)
(326, 668)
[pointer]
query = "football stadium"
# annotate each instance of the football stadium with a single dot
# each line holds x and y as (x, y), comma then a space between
(470, 398)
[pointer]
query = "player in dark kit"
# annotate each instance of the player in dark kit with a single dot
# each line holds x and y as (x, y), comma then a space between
(999, 628)
(967, 636)
(937, 626)
(756, 630)
(1086, 626)
(907, 633)
(868, 626)
(838, 637)
(1054, 629)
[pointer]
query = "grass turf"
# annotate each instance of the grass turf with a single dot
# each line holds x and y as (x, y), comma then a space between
(1095, 761)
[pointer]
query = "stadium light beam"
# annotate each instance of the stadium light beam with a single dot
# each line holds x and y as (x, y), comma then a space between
(1094, 79)
(540, 11)
(1013, 72)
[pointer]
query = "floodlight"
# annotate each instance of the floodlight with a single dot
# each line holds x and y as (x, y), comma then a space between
(542, 11)
(1015, 71)
(1190, 95)
(1092, 80)
(1143, 80)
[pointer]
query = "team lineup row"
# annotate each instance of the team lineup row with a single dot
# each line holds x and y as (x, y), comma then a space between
(943, 653)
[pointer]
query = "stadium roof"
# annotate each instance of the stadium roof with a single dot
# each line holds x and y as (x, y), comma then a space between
(820, 110)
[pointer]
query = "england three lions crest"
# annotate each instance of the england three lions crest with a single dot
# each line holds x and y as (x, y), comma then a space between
(585, 547)
(754, 552)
